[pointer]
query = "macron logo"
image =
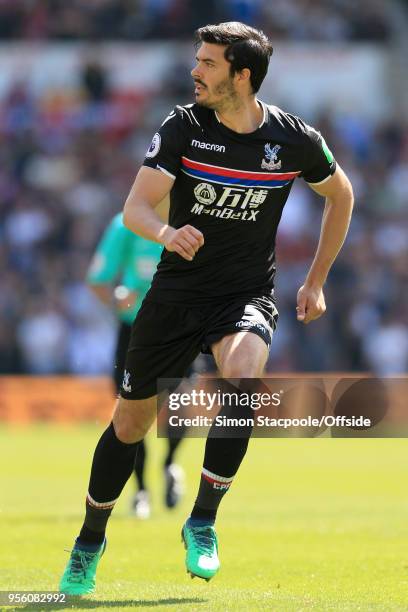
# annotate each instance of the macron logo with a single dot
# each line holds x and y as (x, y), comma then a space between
(208, 146)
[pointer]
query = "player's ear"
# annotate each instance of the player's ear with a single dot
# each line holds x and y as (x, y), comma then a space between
(244, 75)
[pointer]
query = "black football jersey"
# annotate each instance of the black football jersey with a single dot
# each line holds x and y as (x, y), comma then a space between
(232, 187)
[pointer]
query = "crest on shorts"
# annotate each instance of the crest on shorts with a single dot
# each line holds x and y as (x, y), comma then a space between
(125, 384)
(271, 161)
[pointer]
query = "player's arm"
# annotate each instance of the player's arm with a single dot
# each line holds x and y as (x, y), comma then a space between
(335, 222)
(151, 186)
(102, 291)
(119, 298)
(154, 182)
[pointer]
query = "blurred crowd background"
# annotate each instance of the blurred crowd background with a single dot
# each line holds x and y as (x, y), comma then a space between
(175, 19)
(69, 156)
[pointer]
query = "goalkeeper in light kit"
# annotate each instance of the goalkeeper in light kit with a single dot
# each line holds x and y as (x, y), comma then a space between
(228, 162)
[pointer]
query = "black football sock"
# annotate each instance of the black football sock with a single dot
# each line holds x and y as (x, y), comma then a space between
(173, 444)
(112, 466)
(221, 462)
(88, 536)
(222, 458)
(140, 465)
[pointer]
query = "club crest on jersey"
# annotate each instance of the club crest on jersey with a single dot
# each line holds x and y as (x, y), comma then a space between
(271, 161)
(205, 193)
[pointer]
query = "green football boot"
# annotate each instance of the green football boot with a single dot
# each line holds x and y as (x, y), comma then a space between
(202, 550)
(79, 575)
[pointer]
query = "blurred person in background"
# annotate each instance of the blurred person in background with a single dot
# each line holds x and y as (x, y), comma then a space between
(228, 162)
(120, 275)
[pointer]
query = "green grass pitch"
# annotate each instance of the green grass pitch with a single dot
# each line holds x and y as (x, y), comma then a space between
(307, 525)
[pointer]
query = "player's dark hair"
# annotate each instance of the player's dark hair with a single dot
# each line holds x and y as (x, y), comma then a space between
(246, 48)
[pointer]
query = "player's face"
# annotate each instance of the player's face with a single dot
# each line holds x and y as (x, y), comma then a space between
(214, 86)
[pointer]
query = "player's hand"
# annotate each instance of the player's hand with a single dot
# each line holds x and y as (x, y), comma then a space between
(185, 241)
(310, 304)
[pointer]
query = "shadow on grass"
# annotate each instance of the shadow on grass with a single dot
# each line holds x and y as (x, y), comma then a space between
(75, 603)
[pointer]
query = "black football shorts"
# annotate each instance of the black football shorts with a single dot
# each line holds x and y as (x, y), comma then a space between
(166, 338)
(122, 344)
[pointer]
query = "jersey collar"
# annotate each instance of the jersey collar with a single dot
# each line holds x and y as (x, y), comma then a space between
(263, 106)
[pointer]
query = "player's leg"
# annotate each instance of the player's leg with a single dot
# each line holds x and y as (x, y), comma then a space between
(173, 473)
(238, 356)
(112, 466)
(161, 347)
(140, 502)
(241, 355)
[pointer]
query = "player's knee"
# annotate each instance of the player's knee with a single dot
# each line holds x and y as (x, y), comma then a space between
(131, 425)
(129, 431)
(244, 368)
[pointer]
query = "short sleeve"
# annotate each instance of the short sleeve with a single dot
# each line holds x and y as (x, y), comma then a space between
(319, 163)
(167, 146)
